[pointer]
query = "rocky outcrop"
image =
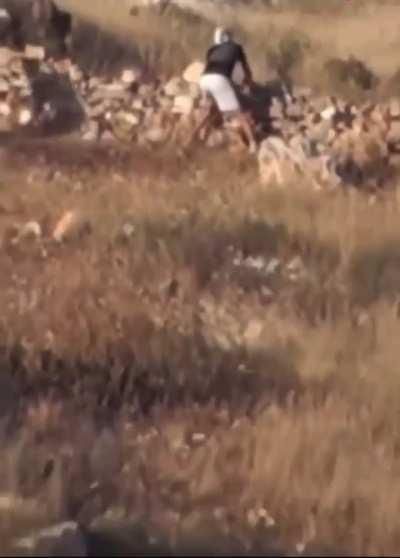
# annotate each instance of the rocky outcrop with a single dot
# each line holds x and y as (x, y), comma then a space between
(322, 138)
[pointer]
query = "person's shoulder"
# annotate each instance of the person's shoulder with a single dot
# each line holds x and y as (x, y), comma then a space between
(237, 46)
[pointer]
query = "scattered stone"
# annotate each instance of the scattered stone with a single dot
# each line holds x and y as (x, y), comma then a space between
(128, 230)
(91, 131)
(183, 104)
(311, 129)
(131, 119)
(75, 73)
(4, 85)
(174, 87)
(7, 55)
(130, 76)
(24, 116)
(65, 225)
(193, 72)
(33, 52)
(32, 229)
(64, 539)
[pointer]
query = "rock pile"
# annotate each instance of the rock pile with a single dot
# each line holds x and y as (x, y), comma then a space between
(323, 138)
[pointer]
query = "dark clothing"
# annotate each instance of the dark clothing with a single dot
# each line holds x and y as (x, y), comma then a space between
(221, 59)
(60, 21)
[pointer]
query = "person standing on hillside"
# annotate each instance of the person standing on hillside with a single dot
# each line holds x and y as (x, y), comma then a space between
(216, 82)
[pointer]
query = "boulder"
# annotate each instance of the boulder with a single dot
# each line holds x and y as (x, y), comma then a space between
(193, 72)
(174, 87)
(91, 131)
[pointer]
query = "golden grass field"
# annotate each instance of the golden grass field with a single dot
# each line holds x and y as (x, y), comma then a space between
(247, 409)
(367, 30)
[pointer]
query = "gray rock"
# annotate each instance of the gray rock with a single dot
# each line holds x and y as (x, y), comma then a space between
(64, 539)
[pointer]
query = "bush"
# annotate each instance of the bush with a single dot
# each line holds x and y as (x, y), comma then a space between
(352, 73)
(288, 53)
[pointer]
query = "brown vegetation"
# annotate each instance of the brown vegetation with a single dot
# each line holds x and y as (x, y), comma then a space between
(230, 392)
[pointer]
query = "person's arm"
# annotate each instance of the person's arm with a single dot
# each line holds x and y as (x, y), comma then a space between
(246, 67)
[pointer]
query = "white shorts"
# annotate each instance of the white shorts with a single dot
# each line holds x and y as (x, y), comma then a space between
(220, 89)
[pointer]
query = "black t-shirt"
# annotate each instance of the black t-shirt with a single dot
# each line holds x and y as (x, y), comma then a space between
(221, 59)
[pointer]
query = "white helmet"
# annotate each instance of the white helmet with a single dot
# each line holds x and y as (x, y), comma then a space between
(221, 35)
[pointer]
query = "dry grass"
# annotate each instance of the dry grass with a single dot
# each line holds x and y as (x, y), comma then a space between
(170, 41)
(293, 397)
(222, 408)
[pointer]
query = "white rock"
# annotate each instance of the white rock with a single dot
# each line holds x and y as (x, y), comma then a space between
(94, 82)
(128, 230)
(24, 116)
(183, 104)
(193, 72)
(34, 52)
(32, 229)
(91, 131)
(7, 55)
(328, 113)
(394, 107)
(295, 265)
(272, 266)
(138, 104)
(75, 73)
(65, 225)
(130, 76)
(174, 87)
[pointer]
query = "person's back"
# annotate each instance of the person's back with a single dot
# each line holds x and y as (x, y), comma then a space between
(222, 58)
(216, 83)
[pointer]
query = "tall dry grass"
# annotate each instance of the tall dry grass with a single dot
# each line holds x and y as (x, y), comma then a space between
(237, 419)
(148, 376)
(167, 42)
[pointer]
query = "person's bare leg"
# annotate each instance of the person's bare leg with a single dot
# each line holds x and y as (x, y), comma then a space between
(248, 131)
(204, 126)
